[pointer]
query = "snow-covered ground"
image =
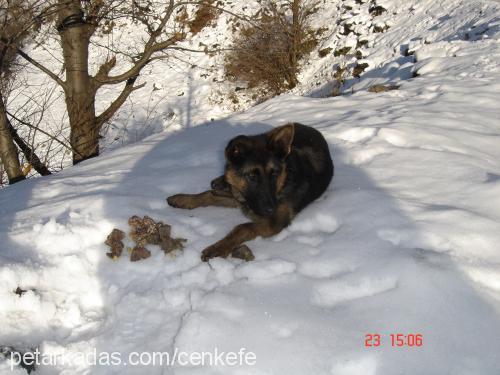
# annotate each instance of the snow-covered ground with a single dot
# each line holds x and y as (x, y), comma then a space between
(405, 241)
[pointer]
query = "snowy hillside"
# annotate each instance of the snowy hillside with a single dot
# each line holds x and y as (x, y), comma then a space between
(405, 241)
(378, 37)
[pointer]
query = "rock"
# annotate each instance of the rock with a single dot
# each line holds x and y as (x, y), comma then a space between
(380, 27)
(339, 72)
(342, 51)
(382, 88)
(364, 40)
(359, 68)
(361, 54)
(20, 291)
(347, 29)
(376, 10)
(325, 51)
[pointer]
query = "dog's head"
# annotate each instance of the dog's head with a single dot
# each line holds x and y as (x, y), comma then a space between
(256, 168)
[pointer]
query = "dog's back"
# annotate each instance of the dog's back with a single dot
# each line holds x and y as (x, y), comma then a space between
(309, 167)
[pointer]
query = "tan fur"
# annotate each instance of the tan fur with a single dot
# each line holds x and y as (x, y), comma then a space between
(280, 182)
(262, 227)
(240, 234)
(283, 135)
(238, 185)
(235, 181)
(207, 198)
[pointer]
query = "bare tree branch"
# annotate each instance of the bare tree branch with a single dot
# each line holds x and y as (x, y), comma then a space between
(105, 68)
(150, 47)
(40, 130)
(42, 68)
(28, 152)
(117, 103)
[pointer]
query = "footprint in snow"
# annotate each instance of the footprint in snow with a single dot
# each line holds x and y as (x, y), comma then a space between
(310, 240)
(365, 155)
(283, 330)
(265, 269)
(222, 304)
(321, 268)
(307, 228)
(320, 222)
(334, 292)
(410, 239)
(394, 137)
(358, 134)
(349, 366)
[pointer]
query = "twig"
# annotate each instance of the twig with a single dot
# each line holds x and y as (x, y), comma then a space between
(41, 131)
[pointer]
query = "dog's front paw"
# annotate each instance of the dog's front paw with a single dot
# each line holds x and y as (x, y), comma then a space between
(214, 251)
(184, 201)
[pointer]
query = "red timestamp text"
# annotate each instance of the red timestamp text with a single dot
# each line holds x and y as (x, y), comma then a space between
(394, 340)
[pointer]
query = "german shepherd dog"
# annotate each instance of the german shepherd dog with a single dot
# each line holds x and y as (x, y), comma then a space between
(271, 176)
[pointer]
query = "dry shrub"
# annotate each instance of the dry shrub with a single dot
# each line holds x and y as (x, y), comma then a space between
(15, 26)
(266, 52)
(205, 15)
(340, 77)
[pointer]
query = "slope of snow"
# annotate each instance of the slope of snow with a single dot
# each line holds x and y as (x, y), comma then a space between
(410, 25)
(405, 240)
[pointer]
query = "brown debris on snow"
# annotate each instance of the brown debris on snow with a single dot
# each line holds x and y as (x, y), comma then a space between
(138, 253)
(147, 231)
(114, 241)
(143, 231)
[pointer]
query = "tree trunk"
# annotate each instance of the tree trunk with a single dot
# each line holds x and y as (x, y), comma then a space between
(295, 42)
(28, 152)
(80, 89)
(8, 150)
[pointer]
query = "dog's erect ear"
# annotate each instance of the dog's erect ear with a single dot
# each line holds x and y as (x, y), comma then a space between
(237, 149)
(280, 140)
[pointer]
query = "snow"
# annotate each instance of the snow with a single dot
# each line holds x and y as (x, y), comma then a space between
(405, 240)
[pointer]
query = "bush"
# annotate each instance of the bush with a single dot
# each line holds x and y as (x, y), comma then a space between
(266, 52)
(205, 15)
